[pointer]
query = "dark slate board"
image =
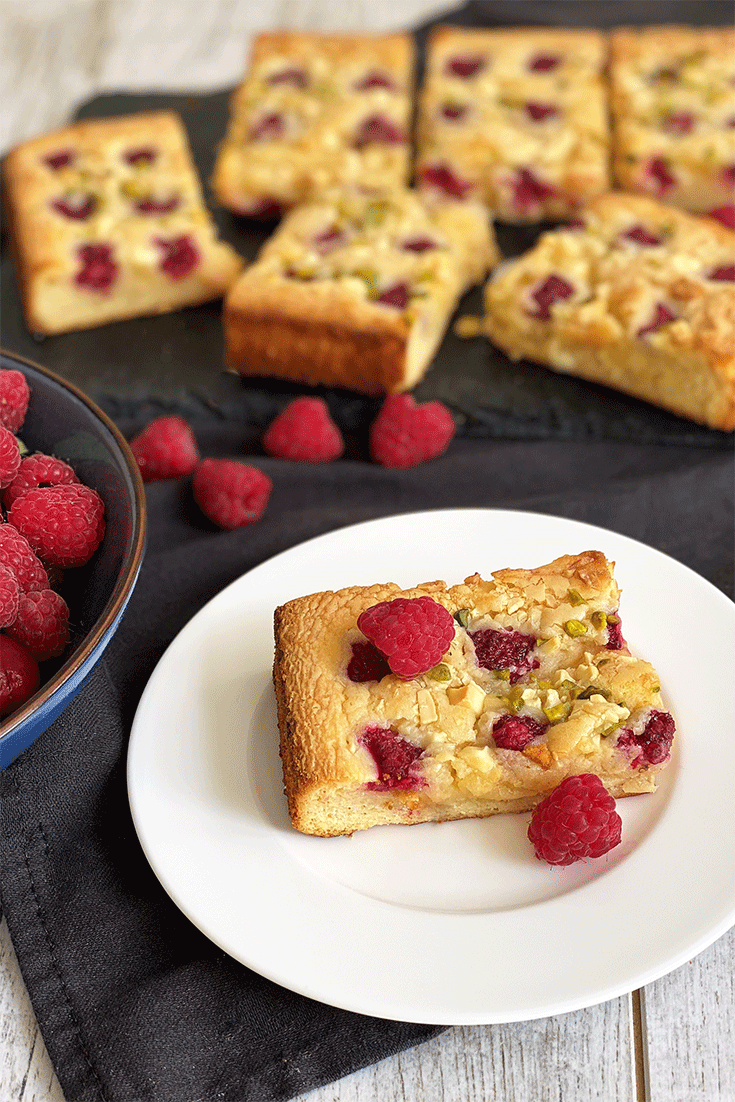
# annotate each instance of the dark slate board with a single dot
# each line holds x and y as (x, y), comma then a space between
(175, 360)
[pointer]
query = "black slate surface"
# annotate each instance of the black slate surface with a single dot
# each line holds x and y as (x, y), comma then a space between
(175, 360)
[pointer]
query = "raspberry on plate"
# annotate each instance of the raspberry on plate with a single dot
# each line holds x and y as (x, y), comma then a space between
(9, 457)
(9, 596)
(42, 624)
(19, 676)
(13, 399)
(165, 448)
(63, 524)
(18, 555)
(578, 819)
(39, 470)
(405, 434)
(230, 493)
(305, 432)
(414, 634)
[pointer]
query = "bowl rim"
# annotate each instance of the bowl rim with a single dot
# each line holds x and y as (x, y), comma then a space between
(128, 574)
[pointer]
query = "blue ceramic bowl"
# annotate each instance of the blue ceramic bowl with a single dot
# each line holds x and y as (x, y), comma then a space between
(63, 421)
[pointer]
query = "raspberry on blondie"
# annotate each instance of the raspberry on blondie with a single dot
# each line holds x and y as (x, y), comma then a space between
(356, 290)
(436, 703)
(638, 296)
(315, 111)
(673, 104)
(516, 117)
(107, 221)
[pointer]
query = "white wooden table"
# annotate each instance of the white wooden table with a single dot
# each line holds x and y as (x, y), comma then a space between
(674, 1041)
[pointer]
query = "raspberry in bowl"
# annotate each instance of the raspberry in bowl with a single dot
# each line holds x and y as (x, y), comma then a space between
(72, 591)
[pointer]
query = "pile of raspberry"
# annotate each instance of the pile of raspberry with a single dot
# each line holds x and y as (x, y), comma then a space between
(49, 522)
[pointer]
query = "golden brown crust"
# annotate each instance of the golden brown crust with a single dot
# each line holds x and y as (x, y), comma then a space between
(686, 365)
(320, 112)
(585, 690)
(100, 176)
(510, 118)
(673, 101)
(310, 309)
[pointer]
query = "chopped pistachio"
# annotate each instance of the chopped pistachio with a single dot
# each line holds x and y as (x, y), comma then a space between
(462, 616)
(598, 620)
(440, 672)
(515, 699)
(557, 712)
(502, 675)
(376, 212)
(611, 730)
(575, 627)
(655, 688)
(575, 598)
(612, 619)
(593, 690)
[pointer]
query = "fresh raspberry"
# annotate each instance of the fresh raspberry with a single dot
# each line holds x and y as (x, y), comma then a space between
(654, 741)
(366, 663)
(152, 204)
(59, 160)
(327, 239)
(231, 493)
(421, 243)
(63, 524)
(42, 624)
(515, 732)
(455, 112)
(39, 470)
(18, 555)
(405, 434)
(9, 457)
(724, 214)
(497, 649)
(413, 633)
(304, 432)
(578, 819)
(727, 176)
(395, 758)
(165, 448)
(19, 676)
(9, 596)
(14, 397)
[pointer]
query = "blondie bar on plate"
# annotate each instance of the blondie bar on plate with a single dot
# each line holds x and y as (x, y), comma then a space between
(673, 105)
(436, 703)
(107, 221)
(356, 290)
(314, 111)
(516, 117)
(637, 295)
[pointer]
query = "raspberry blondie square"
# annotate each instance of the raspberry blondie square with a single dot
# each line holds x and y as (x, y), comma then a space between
(356, 290)
(673, 104)
(107, 222)
(517, 118)
(435, 703)
(637, 296)
(315, 111)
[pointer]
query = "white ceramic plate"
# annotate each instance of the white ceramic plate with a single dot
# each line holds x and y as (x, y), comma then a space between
(444, 923)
